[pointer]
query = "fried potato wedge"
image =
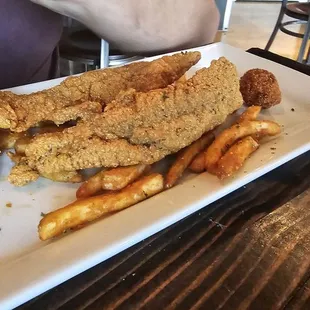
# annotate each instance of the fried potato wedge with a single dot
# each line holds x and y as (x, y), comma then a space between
(114, 179)
(64, 176)
(185, 157)
(229, 136)
(235, 157)
(8, 139)
(85, 210)
(250, 114)
(198, 164)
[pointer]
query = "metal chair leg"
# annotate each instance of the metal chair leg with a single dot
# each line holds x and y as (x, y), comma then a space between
(104, 54)
(277, 26)
(304, 42)
(71, 67)
(308, 57)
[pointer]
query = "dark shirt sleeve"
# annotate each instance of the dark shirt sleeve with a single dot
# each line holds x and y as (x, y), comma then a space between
(29, 35)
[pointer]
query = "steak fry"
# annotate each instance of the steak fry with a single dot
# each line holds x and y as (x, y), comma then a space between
(235, 157)
(112, 180)
(236, 132)
(86, 210)
(20, 112)
(185, 157)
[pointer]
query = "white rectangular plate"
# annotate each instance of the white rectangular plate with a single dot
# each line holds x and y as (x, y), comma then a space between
(28, 267)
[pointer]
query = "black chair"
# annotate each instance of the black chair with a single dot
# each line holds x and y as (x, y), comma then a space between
(81, 46)
(301, 13)
(81, 50)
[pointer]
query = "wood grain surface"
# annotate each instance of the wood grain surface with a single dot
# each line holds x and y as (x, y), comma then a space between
(249, 250)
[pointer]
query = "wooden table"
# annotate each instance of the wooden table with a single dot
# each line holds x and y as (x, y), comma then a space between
(249, 250)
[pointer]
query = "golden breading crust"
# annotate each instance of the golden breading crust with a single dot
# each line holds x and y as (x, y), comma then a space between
(260, 87)
(20, 112)
(142, 127)
(22, 174)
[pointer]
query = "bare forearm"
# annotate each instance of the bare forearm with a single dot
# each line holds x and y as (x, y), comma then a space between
(145, 25)
(159, 25)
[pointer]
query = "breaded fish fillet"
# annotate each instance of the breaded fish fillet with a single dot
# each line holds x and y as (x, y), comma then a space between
(142, 127)
(20, 112)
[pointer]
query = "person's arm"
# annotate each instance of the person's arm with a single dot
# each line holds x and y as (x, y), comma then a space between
(144, 26)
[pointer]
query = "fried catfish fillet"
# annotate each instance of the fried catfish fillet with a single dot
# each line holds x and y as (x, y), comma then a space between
(77, 96)
(142, 128)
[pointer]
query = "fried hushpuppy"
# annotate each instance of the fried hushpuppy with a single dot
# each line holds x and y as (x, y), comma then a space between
(260, 87)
